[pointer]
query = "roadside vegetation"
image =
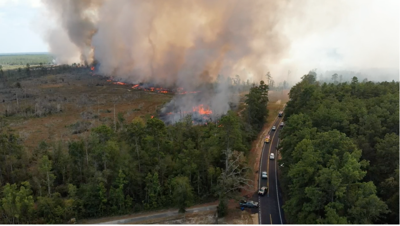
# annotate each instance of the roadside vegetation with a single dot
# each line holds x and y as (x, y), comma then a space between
(120, 166)
(340, 152)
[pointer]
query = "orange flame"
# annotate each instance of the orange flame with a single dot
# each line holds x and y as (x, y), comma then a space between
(119, 83)
(152, 116)
(92, 68)
(202, 110)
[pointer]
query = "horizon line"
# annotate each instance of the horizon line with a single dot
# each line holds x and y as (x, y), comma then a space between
(24, 53)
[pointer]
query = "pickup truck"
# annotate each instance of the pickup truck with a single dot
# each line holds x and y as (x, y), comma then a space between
(262, 190)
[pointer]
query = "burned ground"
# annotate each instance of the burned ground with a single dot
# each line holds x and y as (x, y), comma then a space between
(63, 107)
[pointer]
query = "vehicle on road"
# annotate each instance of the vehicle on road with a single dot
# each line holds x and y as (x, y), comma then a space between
(249, 204)
(282, 124)
(264, 175)
(262, 191)
(272, 156)
(273, 128)
(280, 114)
(267, 138)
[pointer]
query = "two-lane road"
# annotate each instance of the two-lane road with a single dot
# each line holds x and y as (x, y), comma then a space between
(270, 205)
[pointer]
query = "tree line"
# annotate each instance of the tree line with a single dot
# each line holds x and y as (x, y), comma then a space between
(142, 165)
(23, 59)
(29, 71)
(340, 152)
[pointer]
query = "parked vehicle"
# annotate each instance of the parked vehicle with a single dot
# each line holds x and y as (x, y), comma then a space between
(273, 128)
(280, 114)
(249, 204)
(282, 124)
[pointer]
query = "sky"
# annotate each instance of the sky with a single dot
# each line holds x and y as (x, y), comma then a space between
(17, 27)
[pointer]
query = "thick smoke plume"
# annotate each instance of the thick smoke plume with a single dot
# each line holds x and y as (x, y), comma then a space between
(176, 43)
(77, 18)
(189, 43)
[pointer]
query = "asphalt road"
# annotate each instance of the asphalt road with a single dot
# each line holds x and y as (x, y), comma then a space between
(270, 205)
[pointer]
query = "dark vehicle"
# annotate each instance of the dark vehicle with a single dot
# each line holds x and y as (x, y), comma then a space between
(249, 204)
(273, 128)
(280, 114)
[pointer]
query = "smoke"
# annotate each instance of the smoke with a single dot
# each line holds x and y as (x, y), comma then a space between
(77, 18)
(188, 43)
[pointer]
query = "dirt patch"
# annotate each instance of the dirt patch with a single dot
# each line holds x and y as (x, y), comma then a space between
(205, 217)
(51, 86)
(237, 216)
(147, 213)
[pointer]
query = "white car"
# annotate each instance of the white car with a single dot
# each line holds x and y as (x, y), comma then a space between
(264, 175)
(272, 156)
(282, 124)
(262, 190)
(273, 128)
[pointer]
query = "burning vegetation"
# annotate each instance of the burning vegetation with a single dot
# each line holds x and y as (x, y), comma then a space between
(201, 113)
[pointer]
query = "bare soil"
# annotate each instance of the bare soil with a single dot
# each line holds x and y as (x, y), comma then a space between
(147, 213)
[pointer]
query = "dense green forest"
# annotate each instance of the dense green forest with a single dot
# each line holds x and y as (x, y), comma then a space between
(340, 152)
(142, 165)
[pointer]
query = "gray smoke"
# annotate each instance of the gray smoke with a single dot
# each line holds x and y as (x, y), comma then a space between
(176, 43)
(188, 43)
(77, 18)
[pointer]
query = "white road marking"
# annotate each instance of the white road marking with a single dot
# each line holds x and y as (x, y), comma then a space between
(276, 180)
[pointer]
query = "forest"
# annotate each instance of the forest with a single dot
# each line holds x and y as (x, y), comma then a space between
(135, 166)
(340, 152)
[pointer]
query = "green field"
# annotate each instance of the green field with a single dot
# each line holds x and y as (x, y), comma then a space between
(13, 61)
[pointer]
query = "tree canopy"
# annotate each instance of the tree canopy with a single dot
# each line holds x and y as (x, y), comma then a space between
(144, 165)
(340, 152)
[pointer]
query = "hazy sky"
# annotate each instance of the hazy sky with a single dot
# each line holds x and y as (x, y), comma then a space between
(367, 36)
(17, 28)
